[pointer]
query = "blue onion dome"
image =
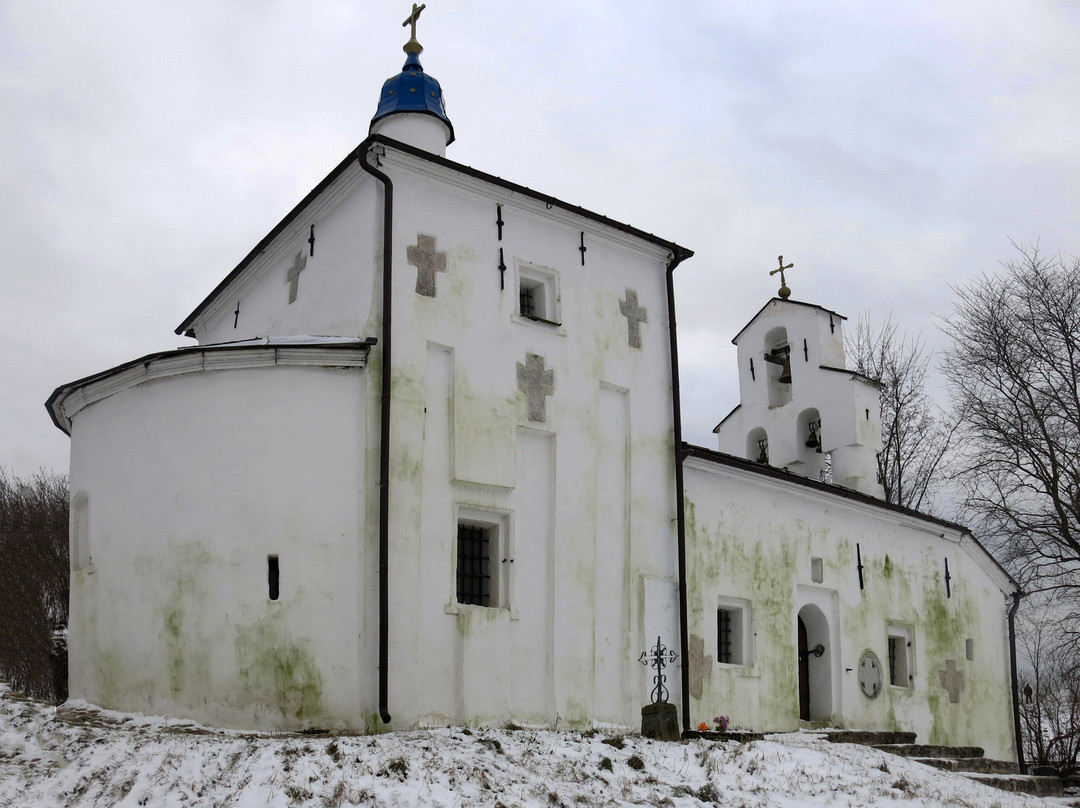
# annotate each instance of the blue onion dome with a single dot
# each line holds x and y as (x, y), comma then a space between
(413, 90)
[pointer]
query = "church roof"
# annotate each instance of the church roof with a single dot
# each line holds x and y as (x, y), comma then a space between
(337, 352)
(735, 339)
(765, 470)
(678, 253)
(413, 90)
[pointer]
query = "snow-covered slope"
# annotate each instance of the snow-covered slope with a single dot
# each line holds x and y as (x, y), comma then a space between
(78, 755)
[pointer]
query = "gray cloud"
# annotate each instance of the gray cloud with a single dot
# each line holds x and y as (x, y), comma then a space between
(889, 150)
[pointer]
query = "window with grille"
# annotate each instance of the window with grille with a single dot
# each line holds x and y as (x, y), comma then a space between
(474, 564)
(527, 301)
(483, 558)
(723, 627)
(538, 293)
(901, 656)
(732, 632)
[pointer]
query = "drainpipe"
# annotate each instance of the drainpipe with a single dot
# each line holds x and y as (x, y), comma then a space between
(679, 254)
(1015, 682)
(384, 432)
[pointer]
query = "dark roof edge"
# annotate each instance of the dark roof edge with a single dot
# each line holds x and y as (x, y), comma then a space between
(750, 322)
(678, 251)
(863, 376)
(734, 410)
(723, 459)
(290, 217)
(240, 345)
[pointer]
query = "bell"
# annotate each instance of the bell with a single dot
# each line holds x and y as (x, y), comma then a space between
(785, 371)
(813, 442)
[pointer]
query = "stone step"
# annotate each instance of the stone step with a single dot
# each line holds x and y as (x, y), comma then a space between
(983, 765)
(1020, 783)
(924, 750)
(742, 736)
(870, 737)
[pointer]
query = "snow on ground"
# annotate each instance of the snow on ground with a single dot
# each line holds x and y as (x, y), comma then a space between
(81, 756)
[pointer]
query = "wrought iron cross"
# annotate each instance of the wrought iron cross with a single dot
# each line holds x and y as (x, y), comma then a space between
(658, 658)
(784, 292)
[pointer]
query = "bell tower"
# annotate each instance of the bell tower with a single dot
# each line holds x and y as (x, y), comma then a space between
(800, 408)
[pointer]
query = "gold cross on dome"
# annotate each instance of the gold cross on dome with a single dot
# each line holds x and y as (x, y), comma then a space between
(784, 292)
(412, 46)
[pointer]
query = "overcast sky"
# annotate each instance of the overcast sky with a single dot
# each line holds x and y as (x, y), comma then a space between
(888, 149)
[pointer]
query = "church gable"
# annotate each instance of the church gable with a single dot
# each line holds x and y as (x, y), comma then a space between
(310, 276)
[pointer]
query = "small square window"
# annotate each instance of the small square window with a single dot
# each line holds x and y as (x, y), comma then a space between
(538, 293)
(901, 655)
(817, 570)
(481, 559)
(969, 649)
(733, 632)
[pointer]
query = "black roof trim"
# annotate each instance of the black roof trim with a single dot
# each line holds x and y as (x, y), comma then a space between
(735, 339)
(863, 376)
(678, 252)
(723, 459)
(734, 410)
(239, 345)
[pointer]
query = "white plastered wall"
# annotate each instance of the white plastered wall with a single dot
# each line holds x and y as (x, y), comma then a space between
(753, 537)
(192, 482)
(587, 492)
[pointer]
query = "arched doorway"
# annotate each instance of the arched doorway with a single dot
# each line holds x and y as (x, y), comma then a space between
(815, 665)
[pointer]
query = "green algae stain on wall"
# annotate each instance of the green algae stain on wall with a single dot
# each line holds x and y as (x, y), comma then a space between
(181, 614)
(278, 672)
(174, 645)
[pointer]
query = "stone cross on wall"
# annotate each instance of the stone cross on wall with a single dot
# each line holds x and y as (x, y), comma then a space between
(635, 316)
(700, 665)
(427, 261)
(536, 383)
(292, 277)
(869, 675)
(952, 680)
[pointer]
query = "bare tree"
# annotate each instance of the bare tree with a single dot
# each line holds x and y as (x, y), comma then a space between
(914, 440)
(34, 598)
(1014, 370)
(1049, 687)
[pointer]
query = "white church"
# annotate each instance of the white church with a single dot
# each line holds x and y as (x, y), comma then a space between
(422, 465)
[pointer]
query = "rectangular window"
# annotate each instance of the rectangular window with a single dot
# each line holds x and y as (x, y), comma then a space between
(733, 632)
(723, 640)
(538, 293)
(272, 576)
(901, 655)
(483, 557)
(474, 565)
(527, 300)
